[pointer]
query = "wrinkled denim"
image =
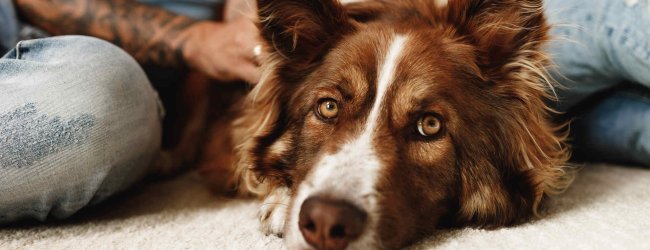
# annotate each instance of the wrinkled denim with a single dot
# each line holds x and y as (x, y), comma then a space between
(79, 121)
(615, 128)
(600, 45)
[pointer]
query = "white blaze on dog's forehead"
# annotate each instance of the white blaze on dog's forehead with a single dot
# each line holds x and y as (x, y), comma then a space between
(351, 174)
(384, 80)
(356, 165)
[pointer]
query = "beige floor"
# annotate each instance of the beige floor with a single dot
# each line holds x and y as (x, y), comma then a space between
(607, 208)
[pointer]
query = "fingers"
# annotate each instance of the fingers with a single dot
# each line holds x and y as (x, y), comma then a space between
(252, 56)
(250, 73)
(251, 42)
(234, 53)
(240, 8)
(257, 54)
(253, 52)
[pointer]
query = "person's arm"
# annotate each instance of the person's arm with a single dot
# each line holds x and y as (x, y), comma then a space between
(152, 35)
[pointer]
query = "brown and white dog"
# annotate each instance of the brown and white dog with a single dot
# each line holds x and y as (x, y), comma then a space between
(378, 122)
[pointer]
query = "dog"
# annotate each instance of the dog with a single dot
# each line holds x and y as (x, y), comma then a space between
(378, 122)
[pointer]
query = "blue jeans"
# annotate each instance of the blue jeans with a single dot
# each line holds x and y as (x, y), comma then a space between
(79, 120)
(601, 45)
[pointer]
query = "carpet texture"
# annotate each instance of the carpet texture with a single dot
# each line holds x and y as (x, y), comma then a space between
(607, 208)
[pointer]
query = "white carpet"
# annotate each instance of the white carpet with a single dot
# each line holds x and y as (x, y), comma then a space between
(607, 208)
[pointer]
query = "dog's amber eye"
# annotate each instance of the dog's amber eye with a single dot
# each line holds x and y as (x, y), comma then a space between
(328, 109)
(429, 125)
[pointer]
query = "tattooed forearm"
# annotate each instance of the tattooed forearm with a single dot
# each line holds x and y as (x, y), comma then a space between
(148, 33)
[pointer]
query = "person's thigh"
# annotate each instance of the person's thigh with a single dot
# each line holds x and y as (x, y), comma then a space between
(79, 122)
(615, 128)
(598, 44)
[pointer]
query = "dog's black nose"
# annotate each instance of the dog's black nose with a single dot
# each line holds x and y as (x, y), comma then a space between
(330, 224)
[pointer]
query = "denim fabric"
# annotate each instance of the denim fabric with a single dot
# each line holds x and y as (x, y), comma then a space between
(600, 45)
(8, 26)
(79, 121)
(616, 128)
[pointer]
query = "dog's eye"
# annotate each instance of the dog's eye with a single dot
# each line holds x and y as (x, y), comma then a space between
(429, 125)
(327, 109)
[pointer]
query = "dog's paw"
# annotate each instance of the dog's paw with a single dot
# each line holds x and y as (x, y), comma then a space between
(273, 213)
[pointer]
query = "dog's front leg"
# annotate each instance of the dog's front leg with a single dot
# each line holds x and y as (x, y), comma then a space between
(273, 213)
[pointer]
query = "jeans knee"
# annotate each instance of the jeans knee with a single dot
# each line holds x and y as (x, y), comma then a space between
(616, 128)
(127, 107)
(82, 75)
(86, 124)
(120, 90)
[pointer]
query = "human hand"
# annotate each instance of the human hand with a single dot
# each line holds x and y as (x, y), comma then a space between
(236, 9)
(224, 51)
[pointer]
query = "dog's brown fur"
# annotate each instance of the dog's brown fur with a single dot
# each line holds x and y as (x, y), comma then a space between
(480, 60)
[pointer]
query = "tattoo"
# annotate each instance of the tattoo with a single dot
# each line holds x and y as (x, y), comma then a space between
(150, 34)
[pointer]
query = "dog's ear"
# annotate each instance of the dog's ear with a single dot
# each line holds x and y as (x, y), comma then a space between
(508, 186)
(522, 158)
(298, 33)
(301, 31)
(505, 32)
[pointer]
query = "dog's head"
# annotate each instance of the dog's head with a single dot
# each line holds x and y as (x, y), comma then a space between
(388, 119)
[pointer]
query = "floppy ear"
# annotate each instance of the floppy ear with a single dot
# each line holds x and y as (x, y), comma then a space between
(523, 159)
(508, 187)
(506, 32)
(298, 33)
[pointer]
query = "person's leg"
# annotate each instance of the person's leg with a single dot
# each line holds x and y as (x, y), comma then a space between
(615, 128)
(599, 44)
(79, 122)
